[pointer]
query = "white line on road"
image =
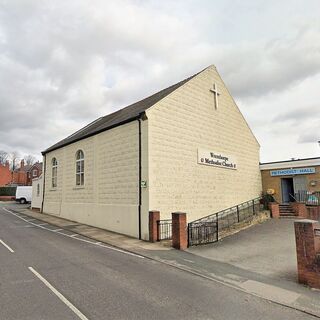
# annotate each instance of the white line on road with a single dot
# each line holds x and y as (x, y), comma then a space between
(43, 224)
(78, 239)
(59, 295)
(74, 235)
(4, 244)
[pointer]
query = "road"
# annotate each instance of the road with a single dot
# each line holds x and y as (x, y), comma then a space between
(47, 273)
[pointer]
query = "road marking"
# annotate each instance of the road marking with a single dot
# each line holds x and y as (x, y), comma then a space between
(78, 239)
(43, 224)
(74, 235)
(59, 295)
(4, 244)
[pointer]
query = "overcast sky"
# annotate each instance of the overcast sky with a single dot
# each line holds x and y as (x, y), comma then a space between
(65, 63)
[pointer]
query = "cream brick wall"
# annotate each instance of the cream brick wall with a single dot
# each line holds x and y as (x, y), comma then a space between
(180, 124)
(109, 198)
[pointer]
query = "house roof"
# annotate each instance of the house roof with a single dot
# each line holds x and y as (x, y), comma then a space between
(122, 116)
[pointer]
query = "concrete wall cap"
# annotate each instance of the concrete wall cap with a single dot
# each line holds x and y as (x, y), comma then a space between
(305, 221)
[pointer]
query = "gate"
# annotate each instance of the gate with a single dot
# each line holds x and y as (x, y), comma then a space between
(202, 232)
(164, 229)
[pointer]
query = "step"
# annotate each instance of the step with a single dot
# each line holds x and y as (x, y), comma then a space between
(288, 215)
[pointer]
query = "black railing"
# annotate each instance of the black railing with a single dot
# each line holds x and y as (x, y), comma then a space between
(202, 233)
(207, 229)
(307, 197)
(164, 229)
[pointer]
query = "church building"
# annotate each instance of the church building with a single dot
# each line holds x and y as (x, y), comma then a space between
(186, 148)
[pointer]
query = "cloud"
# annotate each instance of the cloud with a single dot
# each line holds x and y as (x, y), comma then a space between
(65, 63)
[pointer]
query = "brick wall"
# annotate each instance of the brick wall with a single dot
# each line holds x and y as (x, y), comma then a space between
(185, 121)
(109, 198)
(307, 234)
(5, 174)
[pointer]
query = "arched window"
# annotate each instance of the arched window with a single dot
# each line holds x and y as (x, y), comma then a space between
(38, 190)
(54, 173)
(79, 168)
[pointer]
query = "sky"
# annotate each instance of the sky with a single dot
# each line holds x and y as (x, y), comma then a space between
(65, 63)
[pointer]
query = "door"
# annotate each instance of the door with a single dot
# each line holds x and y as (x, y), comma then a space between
(286, 189)
(300, 187)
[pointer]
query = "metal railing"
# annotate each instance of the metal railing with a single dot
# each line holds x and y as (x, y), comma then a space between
(308, 197)
(164, 229)
(207, 229)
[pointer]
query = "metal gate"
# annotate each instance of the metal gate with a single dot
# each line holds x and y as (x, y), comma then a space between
(202, 233)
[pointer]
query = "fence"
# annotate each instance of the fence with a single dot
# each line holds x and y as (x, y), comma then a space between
(164, 229)
(307, 197)
(207, 229)
(8, 191)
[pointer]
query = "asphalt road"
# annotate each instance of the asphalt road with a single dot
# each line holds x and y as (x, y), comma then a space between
(56, 275)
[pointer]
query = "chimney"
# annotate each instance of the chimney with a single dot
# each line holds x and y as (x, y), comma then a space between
(22, 164)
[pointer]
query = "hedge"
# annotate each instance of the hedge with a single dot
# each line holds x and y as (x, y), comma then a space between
(8, 191)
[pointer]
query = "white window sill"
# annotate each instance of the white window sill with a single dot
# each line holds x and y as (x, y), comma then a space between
(78, 187)
(53, 189)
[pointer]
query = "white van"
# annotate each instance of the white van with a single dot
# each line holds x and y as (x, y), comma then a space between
(24, 194)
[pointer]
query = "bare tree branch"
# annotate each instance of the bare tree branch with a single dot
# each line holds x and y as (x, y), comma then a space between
(4, 156)
(29, 159)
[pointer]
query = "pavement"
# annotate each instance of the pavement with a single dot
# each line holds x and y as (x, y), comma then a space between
(268, 249)
(236, 276)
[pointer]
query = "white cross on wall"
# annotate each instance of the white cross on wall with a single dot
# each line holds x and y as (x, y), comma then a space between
(216, 94)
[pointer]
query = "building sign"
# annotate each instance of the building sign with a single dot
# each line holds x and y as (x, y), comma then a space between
(216, 159)
(289, 172)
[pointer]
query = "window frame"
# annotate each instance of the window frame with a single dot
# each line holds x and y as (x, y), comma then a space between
(54, 173)
(80, 170)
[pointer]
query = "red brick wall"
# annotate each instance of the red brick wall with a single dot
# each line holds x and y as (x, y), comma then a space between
(308, 251)
(314, 213)
(5, 174)
(20, 178)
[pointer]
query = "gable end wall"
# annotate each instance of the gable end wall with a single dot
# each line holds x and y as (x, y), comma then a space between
(180, 124)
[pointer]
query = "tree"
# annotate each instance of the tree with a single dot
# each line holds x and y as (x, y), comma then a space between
(4, 156)
(29, 160)
(14, 156)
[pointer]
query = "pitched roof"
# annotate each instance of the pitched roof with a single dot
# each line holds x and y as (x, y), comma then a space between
(122, 116)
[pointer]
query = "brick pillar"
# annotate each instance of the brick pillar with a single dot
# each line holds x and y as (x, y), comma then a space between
(179, 231)
(308, 250)
(154, 216)
(300, 209)
(274, 208)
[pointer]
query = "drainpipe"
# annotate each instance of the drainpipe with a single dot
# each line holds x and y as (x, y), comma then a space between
(140, 169)
(44, 182)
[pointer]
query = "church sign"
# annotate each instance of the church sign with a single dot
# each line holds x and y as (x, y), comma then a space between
(216, 159)
(289, 172)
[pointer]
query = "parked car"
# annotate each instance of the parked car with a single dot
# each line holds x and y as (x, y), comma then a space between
(24, 194)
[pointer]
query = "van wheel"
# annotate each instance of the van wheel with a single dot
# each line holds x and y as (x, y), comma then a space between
(23, 201)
